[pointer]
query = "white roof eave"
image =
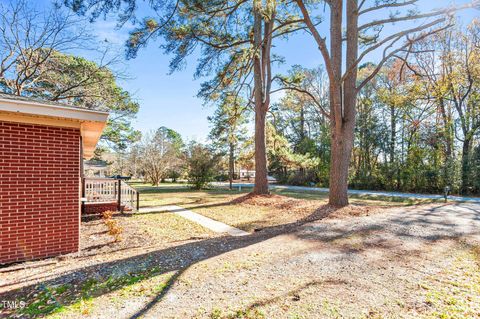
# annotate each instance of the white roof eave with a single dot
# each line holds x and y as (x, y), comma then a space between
(39, 109)
(90, 122)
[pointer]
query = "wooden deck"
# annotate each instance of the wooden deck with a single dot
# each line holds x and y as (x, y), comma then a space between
(103, 193)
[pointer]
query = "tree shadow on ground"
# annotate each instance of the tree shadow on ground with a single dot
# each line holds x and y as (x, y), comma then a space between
(429, 225)
(179, 258)
(173, 259)
(424, 225)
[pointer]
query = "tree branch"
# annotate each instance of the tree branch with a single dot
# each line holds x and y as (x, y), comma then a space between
(473, 4)
(320, 41)
(395, 37)
(386, 57)
(387, 5)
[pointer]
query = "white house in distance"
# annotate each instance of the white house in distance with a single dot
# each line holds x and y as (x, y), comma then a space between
(243, 173)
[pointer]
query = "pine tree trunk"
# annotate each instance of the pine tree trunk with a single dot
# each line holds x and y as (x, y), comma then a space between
(340, 162)
(342, 100)
(261, 97)
(261, 181)
(231, 165)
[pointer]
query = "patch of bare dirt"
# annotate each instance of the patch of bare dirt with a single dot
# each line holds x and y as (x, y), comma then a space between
(279, 202)
(306, 209)
(269, 200)
(355, 211)
(95, 239)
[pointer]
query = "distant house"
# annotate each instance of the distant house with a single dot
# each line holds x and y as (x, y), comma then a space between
(41, 149)
(248, 174)
(243, 173)
(95, 168)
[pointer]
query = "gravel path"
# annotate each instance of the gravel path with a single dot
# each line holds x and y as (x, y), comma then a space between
(364, 263)
(349, 267)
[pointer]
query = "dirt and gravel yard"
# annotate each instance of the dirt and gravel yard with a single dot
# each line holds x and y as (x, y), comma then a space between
(302, 260)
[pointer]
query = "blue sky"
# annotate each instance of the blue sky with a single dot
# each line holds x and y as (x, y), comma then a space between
(170, 100)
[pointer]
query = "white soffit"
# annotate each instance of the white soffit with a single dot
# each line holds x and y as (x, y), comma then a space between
(91, 123)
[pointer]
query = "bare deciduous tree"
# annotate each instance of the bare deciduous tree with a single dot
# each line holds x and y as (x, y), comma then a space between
(159, 154)
(449, 68)
(28, 38)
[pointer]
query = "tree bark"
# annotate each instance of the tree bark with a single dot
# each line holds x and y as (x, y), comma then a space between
(302, 123)
(337, 184)
(449, 138)
(340, 162)
(261, 181)
(262, 78)
(231, 165)
(343, 100)
(393, 134)
(394, 167)
(467, 145)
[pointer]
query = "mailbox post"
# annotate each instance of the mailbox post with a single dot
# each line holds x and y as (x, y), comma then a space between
(446, 193)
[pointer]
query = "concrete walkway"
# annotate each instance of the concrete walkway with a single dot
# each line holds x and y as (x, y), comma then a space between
(206, 222)
(360, 192)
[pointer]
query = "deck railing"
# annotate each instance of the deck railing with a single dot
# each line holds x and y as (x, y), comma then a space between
(110, 190)
(129, 196)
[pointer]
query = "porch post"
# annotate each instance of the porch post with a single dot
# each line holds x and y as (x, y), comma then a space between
(83, 195)
(82, 178)
(119, 197)
(138, 201)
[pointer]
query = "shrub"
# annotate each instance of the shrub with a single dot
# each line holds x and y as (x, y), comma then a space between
(174, 175)
(107, 214)
(299, 178)
(201, 165)
(113, 228)
(221, 178)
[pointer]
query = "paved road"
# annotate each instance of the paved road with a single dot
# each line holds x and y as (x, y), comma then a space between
(363, 192)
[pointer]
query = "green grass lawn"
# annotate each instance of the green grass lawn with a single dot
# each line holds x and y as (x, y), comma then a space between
(164, 227)
(216, 203)
(455, 292)
(170, 193)
(357, 199)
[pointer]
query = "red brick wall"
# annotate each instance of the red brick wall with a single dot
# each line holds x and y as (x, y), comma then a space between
(39, 191)
(98, 208)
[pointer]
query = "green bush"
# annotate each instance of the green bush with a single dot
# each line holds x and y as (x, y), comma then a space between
(201, 165)
(221, 178)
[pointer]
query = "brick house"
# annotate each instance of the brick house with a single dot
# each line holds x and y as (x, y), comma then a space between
(42, 145)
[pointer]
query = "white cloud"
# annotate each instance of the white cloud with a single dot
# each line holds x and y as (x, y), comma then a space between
(108, 30)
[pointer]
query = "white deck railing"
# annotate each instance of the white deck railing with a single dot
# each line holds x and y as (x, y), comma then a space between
(110, 190)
